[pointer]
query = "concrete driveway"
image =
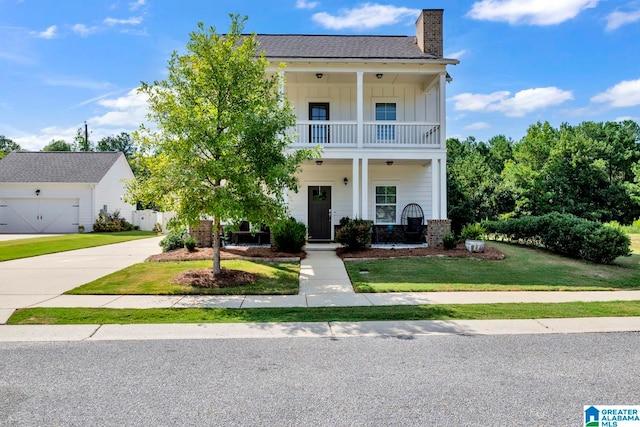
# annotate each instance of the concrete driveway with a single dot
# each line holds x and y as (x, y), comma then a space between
(6, 237)
(27, 281)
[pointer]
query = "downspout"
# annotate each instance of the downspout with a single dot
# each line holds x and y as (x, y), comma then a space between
(93, 205)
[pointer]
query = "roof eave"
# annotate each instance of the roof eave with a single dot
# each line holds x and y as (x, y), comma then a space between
(443, 61)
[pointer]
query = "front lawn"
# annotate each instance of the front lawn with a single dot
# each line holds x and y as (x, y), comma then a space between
(523, 269)
(102, 316)
(156, 278)
(24, 248)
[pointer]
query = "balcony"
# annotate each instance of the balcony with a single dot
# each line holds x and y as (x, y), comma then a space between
(341, 134)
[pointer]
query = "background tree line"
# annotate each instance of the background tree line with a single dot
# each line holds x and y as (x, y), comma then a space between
(591, 170)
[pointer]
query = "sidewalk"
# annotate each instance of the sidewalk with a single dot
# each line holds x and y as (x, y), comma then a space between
(39, 281)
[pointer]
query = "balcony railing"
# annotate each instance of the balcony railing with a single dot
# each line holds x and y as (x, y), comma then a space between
(376, 134)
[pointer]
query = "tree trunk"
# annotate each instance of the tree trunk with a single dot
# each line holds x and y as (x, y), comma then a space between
(216, 246)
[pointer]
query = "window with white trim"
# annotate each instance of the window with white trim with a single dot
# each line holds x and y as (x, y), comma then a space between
(386, 111)
(386, 204)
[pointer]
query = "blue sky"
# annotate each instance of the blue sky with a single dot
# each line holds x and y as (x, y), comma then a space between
(521, 61)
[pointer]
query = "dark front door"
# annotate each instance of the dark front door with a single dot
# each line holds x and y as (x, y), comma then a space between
(319, 133)
(319, 213)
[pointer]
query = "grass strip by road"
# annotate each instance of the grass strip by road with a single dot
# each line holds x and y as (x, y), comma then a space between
(24, 248)
(156, 278)
(523, 269)
(102, 316)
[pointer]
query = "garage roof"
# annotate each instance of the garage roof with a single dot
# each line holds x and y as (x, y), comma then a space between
(56, 166)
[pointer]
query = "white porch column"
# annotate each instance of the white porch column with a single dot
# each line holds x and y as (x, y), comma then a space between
(364, 196)
(435, 189)
(281, 87)
(360, 109)
(355, 185)
(443, 188)
(443, 109)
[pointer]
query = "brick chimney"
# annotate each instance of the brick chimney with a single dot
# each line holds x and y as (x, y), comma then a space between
(429, 31)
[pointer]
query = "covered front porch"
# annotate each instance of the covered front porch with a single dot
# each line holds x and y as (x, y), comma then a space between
(376, 187)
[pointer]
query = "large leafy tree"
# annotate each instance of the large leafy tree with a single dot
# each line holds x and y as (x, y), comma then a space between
(7, 145)
(122, 143)
(58, 145)
(220, 148)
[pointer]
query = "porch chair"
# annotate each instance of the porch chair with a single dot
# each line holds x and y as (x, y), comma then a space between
(412, 222)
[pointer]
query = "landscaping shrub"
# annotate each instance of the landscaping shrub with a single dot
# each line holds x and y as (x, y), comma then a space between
(289, 235)
(565, 234)
(190, 243)
(173, 240)
(111, 222)
(449, 241)
(472, 232)
(355, 235)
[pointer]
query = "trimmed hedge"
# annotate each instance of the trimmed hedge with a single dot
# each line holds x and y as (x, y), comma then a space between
(355, 234)
(289, 236)
(564, 234)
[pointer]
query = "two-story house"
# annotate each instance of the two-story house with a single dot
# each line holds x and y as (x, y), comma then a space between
(376, 104)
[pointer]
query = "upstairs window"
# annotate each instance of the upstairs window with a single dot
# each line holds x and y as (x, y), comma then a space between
(385, 111)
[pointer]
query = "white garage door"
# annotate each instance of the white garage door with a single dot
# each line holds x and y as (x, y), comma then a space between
(39, 215)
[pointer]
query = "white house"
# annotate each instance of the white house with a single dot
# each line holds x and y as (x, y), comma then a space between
(55, 192)
(377, 106)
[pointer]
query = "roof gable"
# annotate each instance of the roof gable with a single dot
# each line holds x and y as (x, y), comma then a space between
(57, 166)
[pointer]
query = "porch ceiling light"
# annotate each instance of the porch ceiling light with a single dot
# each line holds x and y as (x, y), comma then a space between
(319, 162)
(379, 75)
(319, 75)
(389, 162)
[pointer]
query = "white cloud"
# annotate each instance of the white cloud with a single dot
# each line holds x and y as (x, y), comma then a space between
(456, 55)
(134, 20)
(624, 94)
(625, 118)
(136, 4)
(366, 16)
(49, 33)
(83, 30)
(518, 105)
(618, 19)
(127, 111)
(35, 141)
(477, 126)
(532, 12)
(305, 4)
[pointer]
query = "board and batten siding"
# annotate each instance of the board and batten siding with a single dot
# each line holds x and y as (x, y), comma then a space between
(111, 189)
(413, 104)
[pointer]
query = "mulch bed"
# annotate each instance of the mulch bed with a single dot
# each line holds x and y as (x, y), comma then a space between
(204, 254)
(490, 253)
(204, 278)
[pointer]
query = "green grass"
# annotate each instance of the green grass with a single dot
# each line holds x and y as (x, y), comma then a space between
(523, 269)
(59, 316)
(24, 248)
(156, 278)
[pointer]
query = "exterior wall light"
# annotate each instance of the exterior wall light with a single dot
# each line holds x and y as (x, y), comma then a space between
(345, 180)
(38, 192)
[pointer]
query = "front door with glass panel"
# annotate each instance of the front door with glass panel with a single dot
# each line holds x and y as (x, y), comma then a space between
(319, 213)
(319, 112)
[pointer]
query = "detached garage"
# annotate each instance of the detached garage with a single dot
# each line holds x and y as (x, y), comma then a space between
(55, 192)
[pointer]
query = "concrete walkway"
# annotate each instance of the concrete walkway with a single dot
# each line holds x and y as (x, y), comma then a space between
(324, 282)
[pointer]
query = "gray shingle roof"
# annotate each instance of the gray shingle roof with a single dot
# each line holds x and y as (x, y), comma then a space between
(340, 47)
(63, 166)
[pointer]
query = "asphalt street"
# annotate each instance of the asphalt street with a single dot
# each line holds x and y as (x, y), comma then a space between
(403, 380)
